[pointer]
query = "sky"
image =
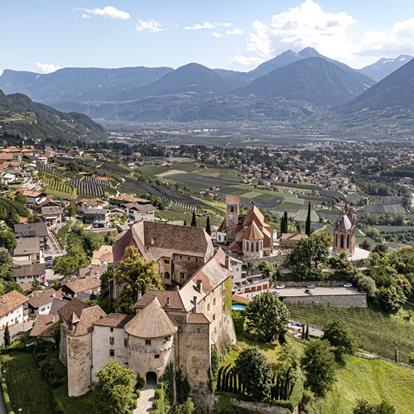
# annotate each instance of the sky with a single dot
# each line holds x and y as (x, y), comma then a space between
(45, 35)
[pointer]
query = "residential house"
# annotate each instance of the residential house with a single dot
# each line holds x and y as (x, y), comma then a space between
(81, 288)
(97, 217)
(40, 301)
(28, 273)
(33, 230)
(33, 197)
(52, 215)
(27, 251)
(138, 212)
(12, 308)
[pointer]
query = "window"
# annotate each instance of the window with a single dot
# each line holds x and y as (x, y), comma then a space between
(214, 301)
(196, 371)
(126, 342)
(148, 342)
(214, 317)
(208, 308)
(112, 329)
(166, 261)
(111, 352)
(111, 340)
(198, 330)
(166, 275)
(182, 275)
(157, 356)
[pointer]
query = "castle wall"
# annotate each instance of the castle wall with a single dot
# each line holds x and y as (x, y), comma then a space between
(194, 353)
(184, 267)
(154, 357)
(79, 364)
(359, 300)
(63, 352)
(102, 344)
(222, 328)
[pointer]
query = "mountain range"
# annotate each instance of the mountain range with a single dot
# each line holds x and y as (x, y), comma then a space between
(292, 86)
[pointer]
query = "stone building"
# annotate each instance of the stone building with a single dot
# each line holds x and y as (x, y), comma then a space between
(178, 250)
(178, 325)
(249, 235)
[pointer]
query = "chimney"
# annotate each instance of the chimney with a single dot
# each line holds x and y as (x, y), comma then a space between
(168, 302)
(199, 285)
(227, 261)
(195, 304)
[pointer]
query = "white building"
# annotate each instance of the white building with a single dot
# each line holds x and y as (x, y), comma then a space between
(12, 309)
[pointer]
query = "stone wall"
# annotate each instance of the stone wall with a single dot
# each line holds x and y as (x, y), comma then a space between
(79, 364)
(359, 300)
(151, 357)
(101, 347)
(249, 407)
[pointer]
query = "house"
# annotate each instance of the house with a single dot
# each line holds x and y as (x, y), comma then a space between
(40, 301)
(34, 198)
(290, 240)
(28, 273)
(97, 217)
(178, 250)
(81, 288)
(236, 268)
(124, 199)
(27, 251)
(52, 215)
(138, 212)
(84, 204)
(12, 308)
(43, 326)
(33, 230)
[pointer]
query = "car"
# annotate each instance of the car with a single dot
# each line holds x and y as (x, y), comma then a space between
(276, 293)
(48, 259)
(347, 285)
(280, 286)
(310, 287)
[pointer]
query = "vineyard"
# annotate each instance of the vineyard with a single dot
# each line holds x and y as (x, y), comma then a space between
(91, 187)
(57, 186)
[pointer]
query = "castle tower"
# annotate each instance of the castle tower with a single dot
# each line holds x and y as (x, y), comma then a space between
(344, 235)
(232, 216)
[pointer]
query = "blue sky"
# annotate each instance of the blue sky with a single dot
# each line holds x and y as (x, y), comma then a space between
(43, 35)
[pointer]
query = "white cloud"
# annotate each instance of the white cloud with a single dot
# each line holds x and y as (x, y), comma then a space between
(304, 25)
(248, 61)
(1, 71)
(107, 11)
(149, 25)
(234, 32)
(399, 39)
(217, 35)
(226, 24)
(47, 67)
(201, 26)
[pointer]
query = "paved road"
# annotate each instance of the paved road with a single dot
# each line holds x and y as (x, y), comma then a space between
(145, 399)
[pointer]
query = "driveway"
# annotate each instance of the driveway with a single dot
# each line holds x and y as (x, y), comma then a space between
(145, 399)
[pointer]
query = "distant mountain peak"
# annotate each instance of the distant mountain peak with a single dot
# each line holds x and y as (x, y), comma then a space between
(385, 66)
(309, 52)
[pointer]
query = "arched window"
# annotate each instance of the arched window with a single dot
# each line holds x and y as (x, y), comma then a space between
(166, 275)
(342, 241)
(347, 242)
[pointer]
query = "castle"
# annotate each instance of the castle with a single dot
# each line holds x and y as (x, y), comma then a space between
(178, 325)
(249, 235)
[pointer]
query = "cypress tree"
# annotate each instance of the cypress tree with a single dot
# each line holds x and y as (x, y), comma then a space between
(285, 222)
(208, 226)
(194, 220)
(308, 221)
(7, 335)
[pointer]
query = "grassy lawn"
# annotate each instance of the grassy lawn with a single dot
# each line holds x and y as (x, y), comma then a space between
(372, 380)
(30, 392)
(26, 387)
(374, 331)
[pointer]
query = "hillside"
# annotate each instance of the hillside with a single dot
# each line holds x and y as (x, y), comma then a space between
(313, 80)
(191, 78)
(396, 90)
(384, 67)
(21, 117)
(78, 84)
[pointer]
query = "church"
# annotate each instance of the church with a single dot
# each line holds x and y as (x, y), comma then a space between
(248, 236)
(177, 325)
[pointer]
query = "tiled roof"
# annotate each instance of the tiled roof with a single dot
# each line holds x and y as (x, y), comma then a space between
(26, 245)
(211, 275)
(11, 301)
(151, 322)
(87, 318)
(254, 214)
(31, 229)
(197, 318)
(82, 285)
(174, 297)
(114, 320)
(232, 199)
(155, 240)
(43, 325)
(252, 233)
(40, 298)
(343, 223)
(36, 269)
(74, 306)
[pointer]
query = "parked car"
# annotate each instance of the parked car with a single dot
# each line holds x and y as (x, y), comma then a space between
(310, 287)
(280, 286)
(347, 285)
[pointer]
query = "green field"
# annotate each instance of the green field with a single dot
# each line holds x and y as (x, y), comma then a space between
(30, 392)
(375, 332)
(371, 380)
